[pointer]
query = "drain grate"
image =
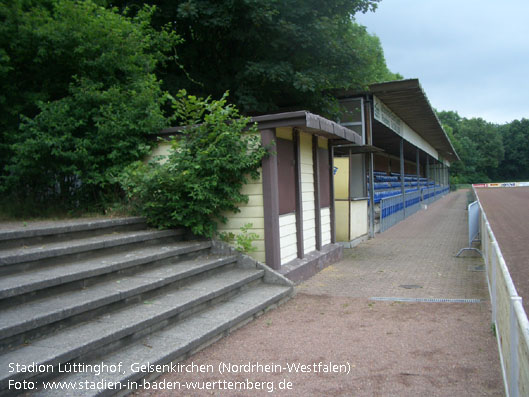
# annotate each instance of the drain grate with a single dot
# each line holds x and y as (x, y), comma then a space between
(410, 286)
(436, 300)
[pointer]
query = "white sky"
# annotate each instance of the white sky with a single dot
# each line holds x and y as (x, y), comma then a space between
(470, 56)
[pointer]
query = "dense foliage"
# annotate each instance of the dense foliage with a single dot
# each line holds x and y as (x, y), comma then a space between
(515, 165)
(201, 178)
(270, 53)
(488, 152)
(79, 97)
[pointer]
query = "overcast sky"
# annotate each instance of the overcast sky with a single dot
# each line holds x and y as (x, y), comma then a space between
(470, 56)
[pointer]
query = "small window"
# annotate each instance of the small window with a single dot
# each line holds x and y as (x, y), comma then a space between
(351, 111)
(352, 115)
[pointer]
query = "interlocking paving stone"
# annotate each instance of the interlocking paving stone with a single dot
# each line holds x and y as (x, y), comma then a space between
(418, 251)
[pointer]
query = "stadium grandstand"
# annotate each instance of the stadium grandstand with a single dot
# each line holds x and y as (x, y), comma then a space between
(315, 195)
(405, 152)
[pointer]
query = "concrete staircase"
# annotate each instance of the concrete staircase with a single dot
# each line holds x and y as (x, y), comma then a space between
(112, 295)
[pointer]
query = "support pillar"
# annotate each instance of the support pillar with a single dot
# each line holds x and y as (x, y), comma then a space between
(271, 201)
(403, 190)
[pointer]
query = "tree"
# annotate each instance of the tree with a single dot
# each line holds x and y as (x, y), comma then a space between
(270, 53)
(479, 145)
(79, 97)
(515, 137)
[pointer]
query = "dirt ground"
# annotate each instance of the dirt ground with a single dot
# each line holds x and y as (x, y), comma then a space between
(507, 210)
(386, 348)
(389, 349)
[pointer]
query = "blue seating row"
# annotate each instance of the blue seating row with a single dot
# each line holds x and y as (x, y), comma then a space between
(396, 185)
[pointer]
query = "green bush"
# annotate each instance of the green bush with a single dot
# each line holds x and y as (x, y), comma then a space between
(80, 98)
(201, 179)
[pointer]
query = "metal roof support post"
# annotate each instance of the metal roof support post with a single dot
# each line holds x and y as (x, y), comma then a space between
(369, 135)
(349, 195)
(438, 172)
(418, 170)
(402, 177)
(428, 176)
(331, 187)
(371, 196)
(434, 176)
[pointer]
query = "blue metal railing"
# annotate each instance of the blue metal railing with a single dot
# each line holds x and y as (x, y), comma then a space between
(392, 209)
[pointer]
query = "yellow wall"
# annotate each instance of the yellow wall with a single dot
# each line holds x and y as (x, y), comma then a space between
(284, 133)
(341, 178)
(351, 220)
(342, 220)
(161, 149)
(251, 212)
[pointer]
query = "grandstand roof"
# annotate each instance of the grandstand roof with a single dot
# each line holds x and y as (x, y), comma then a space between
(407, 99)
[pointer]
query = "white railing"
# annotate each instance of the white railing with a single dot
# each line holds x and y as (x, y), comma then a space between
(508, 316)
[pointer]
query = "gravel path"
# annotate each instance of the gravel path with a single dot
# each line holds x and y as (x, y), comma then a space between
(378, 348)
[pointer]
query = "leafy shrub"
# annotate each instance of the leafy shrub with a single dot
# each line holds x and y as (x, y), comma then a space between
(243, 240)
(80, 98)
(201, 178)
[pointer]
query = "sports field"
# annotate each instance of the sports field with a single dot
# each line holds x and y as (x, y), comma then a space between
(507, 210)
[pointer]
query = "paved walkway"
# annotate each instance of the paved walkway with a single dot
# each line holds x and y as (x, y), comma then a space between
(390, 348)
(413, 259)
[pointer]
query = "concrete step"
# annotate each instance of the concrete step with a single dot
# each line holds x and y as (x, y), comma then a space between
(46, 232)
(55, 308)
(36, 253)
(104, 289)
(116, 328)
(177, 341)
(38, 279)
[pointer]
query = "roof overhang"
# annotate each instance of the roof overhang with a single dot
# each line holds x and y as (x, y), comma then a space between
(308, 122)
(303, 120)
(407, 100)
